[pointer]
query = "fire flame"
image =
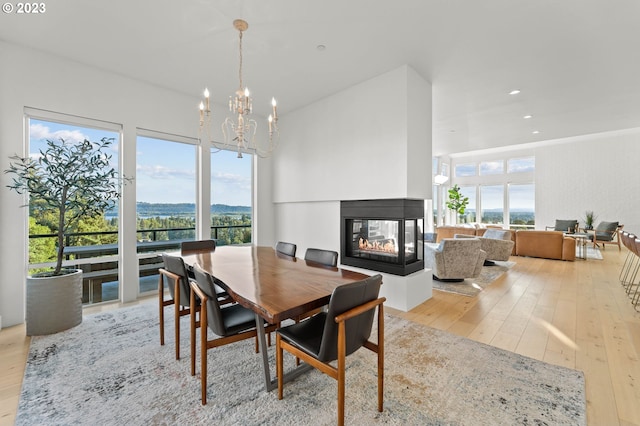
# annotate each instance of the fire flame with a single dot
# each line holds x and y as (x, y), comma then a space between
(388, 247)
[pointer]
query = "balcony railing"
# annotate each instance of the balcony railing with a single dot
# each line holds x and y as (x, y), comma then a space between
(99, 262)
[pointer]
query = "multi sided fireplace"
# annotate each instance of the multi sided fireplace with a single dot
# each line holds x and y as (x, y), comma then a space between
(382, 235)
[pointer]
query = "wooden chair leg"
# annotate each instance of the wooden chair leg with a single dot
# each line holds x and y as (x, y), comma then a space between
(177, 317)
(341, 367)
(279, 365)
(192, 322)
(161, 305)
(380, 358)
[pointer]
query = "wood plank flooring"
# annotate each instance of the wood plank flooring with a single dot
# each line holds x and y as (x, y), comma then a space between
(573, 314)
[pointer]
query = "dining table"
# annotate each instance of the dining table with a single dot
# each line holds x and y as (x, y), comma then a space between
(276, 287)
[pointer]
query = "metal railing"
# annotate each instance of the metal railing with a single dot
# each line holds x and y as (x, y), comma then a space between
(100, 261)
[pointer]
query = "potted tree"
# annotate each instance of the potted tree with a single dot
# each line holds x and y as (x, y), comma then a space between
(457, 202)
(73, 181)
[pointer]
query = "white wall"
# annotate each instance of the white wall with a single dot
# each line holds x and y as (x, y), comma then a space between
(33, 79)
(370, 141)
(593, 172)
(597, 172)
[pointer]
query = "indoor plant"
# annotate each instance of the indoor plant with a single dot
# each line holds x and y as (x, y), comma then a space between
(589, 220)
(73, 181)
(457, 202)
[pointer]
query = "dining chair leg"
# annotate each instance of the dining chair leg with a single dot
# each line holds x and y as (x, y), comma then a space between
(341, 373)
(204, 325)
(161, 305)
(192, 329)
(279, 365)
(380, 358)
(177, 317)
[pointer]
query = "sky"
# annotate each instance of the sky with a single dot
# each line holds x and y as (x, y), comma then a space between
(165, 171)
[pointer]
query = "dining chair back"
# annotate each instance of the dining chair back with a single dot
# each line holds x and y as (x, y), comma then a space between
(325, 257)
(286, 248)
(332, 335)
(198, 246)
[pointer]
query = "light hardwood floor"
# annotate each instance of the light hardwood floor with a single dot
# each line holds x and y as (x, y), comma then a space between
(573, 314)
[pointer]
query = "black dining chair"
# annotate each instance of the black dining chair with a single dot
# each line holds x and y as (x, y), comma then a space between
(202, 247)
(324, 257)
(230, 323)
(197, 246)
(332, 335)
(177, 276)
(288, 249)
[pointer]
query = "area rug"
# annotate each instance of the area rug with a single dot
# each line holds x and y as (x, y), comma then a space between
(593, 253)
(472, 286)
(111, 370)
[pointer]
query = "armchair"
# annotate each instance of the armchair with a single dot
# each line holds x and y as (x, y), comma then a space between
(455, 259)
(497, 243)
(568, 226)
(606, 233)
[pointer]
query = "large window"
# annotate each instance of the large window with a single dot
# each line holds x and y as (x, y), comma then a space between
(231, 194)
(492, 202)
(93, 244)
(521, 206)
(470, 211)
(166, 201)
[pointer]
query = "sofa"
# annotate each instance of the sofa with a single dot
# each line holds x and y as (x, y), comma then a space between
(545, 244)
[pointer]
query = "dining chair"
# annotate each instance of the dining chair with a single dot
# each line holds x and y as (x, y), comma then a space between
(324, 257)
(332, 335)
(202, 247)
(198, 246)
(230, 323)
(177, 277)
(286, 248)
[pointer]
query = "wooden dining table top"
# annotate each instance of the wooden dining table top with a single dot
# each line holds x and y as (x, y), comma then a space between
(273, 285)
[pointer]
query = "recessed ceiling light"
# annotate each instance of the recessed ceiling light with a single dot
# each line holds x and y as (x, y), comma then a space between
(452, 131)
(527, 116)
(321, 47)
(514, 92)
(535, 132)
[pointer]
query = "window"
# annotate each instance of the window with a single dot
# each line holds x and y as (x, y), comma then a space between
(166, 201)
(521, 165)
(93, 244)
(521, 206)
(231, 194)
(491, 168)
(470, 211)
(492, 202)
(462, 170)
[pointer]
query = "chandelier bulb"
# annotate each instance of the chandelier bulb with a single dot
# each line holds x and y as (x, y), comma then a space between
(206, 92)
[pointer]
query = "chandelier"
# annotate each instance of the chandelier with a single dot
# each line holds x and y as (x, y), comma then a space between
(240, 130)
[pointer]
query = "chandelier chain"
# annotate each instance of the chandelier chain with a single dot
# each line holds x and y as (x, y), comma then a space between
(240, 68)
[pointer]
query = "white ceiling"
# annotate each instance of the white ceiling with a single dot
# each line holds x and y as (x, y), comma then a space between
(576, 62)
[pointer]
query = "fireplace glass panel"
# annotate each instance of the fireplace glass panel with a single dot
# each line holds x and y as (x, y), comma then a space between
(375, 239)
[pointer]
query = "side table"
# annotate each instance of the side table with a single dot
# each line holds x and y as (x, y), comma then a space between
(581, 244)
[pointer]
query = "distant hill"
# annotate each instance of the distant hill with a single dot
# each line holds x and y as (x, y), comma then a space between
(182, 209)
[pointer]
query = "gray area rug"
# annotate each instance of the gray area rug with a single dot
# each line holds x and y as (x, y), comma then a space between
(472, 286)
(593, 253)
(111, 370)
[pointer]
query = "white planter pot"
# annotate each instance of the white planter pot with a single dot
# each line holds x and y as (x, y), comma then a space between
(54, 303)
